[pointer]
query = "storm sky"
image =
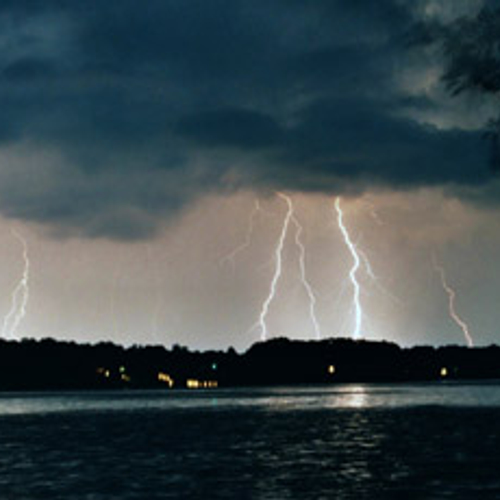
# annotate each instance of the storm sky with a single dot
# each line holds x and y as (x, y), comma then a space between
(136, 138)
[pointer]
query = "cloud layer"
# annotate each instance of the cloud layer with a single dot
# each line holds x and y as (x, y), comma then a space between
(117, 114)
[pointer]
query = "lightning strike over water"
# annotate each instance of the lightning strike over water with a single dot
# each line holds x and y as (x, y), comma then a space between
(305, 282)
(451, 302)
(20, 296)
(289, 218)
(278, 268)
(246, 243)
(358, 312)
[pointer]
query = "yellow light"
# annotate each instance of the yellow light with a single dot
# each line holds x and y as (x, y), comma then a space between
(125, 377)
(444, 372)
(102, 371)
(165, 377)
(331, 369)
(192, 383)
(201, 384)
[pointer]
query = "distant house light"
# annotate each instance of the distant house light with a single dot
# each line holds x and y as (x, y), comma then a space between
(192, 383)
(103, 371)
(166, 378)
(444, 372)
(331, 369)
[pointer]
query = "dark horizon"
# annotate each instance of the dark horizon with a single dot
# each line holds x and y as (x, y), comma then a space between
(52, 365)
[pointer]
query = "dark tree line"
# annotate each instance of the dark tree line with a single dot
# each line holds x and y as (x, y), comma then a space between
(52, 365)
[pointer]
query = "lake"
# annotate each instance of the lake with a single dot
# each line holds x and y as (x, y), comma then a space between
(418, 441)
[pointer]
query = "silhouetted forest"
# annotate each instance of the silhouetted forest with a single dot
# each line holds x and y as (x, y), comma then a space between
(49, 364)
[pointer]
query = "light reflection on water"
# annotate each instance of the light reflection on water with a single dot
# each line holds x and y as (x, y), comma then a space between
(282, 398)
(428, 441)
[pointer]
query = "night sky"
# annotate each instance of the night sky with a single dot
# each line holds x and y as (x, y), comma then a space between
(138, 138)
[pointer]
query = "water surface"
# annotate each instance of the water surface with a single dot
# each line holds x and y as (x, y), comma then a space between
(428, 441)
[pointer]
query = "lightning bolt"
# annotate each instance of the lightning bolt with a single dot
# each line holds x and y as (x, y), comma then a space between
(278, 267)
(368, 266)
(305, 282)
(358, 313)
(20, 295)
(278, 259)
(373, 213)
(375, 279)
(451, 302)
(246, 243)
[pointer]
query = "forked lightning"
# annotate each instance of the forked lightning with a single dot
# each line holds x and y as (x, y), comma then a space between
(20, 295)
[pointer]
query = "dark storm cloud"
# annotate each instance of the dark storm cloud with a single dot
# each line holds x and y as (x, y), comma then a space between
(360, 141)
(28, 69)
(239, 128)
(139, 108)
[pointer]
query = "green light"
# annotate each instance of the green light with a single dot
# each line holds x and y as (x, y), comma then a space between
(122, 369)
(214, 366)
